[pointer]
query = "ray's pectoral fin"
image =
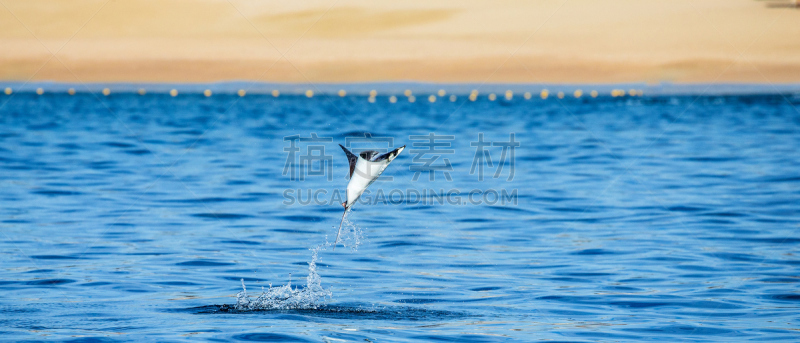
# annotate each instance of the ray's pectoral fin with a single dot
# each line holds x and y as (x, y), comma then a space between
(389, 156)
(351, 158)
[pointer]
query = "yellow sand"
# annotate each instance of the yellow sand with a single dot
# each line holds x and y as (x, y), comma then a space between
(552, 41)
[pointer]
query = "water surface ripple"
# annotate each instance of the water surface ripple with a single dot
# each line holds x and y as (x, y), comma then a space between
(130, 218)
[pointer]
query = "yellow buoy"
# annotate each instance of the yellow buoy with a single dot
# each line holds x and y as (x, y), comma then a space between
(242, 92)
(173, 92)
(432, 98)
(453, 98)
(578, 93)
(593, 94)
(39, 91)
(373, 93)
(106, 91)
(640, 93)
(544, 94)
(632, 92)
(142, 91)
(276, 93)
(474, 93)
(442, 92)
(207, 92)
(309, 93)
(412, 98)
(509, 95)
(527, 95)
(342, 93)
(371, 100)
(8, 91)
(393, 99)
(492, 97)
(71, 91)
(473, 97)
(560, 95)
(407, 92)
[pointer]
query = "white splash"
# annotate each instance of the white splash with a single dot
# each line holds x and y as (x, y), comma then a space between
(353, 235)
(313, 295)
(287, 298)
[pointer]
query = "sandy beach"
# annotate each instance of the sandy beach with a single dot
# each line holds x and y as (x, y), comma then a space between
(548, 41)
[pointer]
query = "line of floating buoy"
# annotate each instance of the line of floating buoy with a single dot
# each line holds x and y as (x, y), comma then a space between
(631, 92)
(140, 91)
(432, 98)
(508, 95)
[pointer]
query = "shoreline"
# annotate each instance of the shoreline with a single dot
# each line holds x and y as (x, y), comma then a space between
(399, 87)
(498, 69)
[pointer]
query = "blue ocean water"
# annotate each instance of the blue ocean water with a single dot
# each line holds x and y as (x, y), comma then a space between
(139, 218)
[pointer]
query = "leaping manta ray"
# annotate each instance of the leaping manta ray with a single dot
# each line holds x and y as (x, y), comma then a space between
(364, 170)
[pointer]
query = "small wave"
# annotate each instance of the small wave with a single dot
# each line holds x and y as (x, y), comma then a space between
(204, 263)
(221, 215)
(268, 337)
(350, 311)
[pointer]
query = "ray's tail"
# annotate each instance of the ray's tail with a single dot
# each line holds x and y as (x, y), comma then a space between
(340, 230)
